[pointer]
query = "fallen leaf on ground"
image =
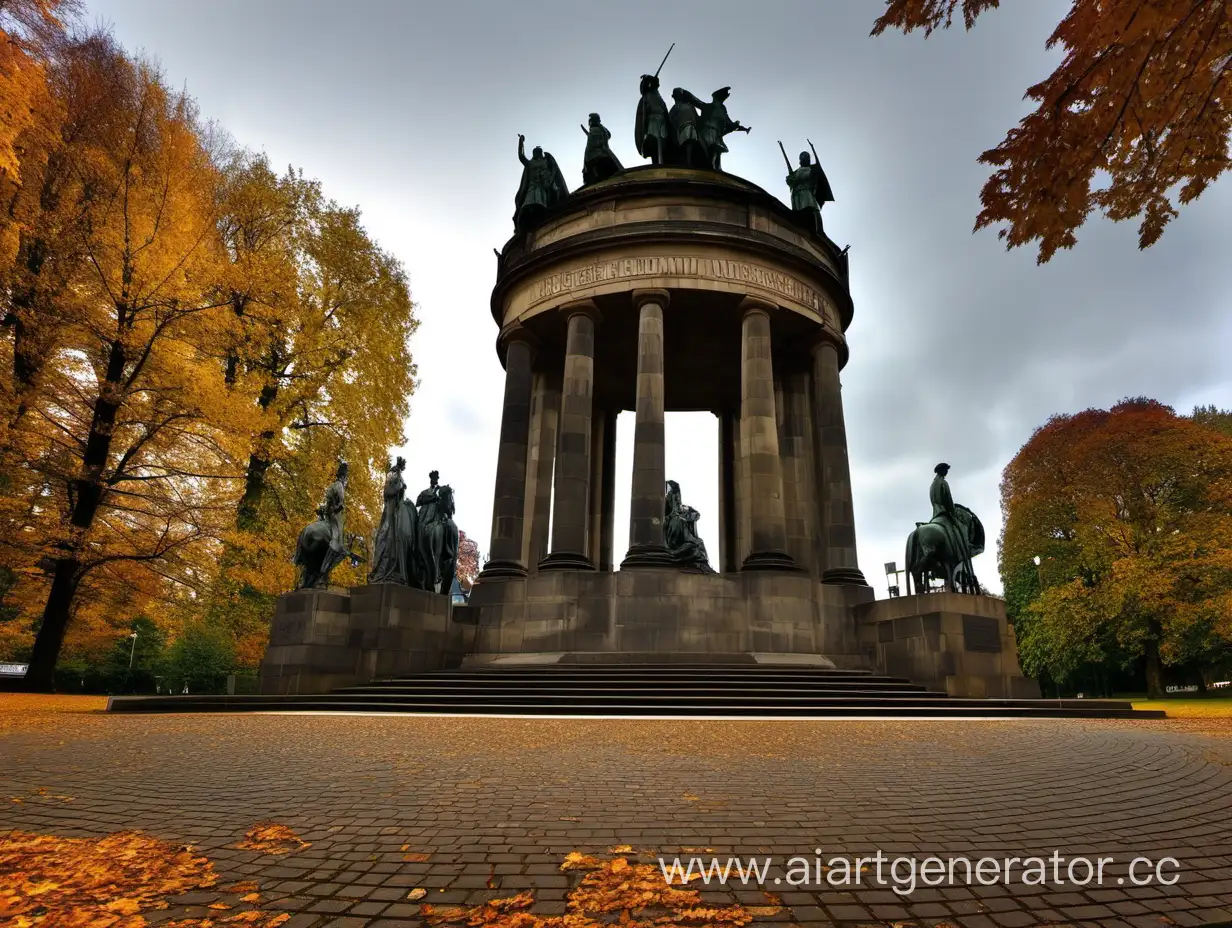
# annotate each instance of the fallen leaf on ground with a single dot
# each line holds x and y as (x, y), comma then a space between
(416, 893)
(107, 882)
(272, 838)
(576, 860)
(613, 892)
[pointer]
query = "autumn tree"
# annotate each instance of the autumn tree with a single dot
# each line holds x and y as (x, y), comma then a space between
(141, 428)
(1130, 512)
(322, 318)
(468, 566)
(1140, 104)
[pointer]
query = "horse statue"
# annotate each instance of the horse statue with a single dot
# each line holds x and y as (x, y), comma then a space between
(314, 557)
(930, 553)
(311, 552)
(438, 541)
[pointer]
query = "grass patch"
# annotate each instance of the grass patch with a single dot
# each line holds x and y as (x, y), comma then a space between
(1213, 708)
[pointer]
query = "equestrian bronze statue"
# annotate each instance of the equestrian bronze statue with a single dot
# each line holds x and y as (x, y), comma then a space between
(943, 547)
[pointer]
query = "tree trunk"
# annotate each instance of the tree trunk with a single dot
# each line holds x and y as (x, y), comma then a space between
(258, 463)
(89, 494)
(40, 676)
(1154, 672)
(254, 489)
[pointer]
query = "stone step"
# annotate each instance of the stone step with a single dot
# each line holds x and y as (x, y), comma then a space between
(642, 685)
(809, 707)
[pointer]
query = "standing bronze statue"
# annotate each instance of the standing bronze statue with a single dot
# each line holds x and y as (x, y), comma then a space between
(943, 547)
(809, 189)
(542, 186)
(438, 536)
(651, 127)
(680, 532)
(322, 545)
(598, 163)
(393, 549)
(715, 124)
(687, 149)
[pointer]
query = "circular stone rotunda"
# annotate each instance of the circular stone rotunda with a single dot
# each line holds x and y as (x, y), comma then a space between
(657, 289)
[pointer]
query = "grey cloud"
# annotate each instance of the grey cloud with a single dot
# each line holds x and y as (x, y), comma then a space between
(958, 349)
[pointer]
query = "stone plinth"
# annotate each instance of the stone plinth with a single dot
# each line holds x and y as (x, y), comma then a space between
(959, 644)
(637, 614)
(323, 639)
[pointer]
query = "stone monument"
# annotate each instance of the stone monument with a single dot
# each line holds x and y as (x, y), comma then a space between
(664, 287)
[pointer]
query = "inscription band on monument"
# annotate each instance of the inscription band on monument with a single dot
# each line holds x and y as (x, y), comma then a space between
(676, 266)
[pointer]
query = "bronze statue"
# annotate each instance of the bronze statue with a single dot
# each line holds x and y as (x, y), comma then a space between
(687, 149)
(438, 536)
(323, 544)
(393, 559)
(943, 547)
(598, 163)
(542, 186)
(715, 124)
(680, 532)
(809, 189)
(650, 130)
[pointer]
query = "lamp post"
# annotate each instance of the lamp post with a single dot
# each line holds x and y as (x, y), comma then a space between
(132, 651)
(1039, 573)
(891, 586)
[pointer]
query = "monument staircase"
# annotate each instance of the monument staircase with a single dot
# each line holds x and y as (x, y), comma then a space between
(689, 690)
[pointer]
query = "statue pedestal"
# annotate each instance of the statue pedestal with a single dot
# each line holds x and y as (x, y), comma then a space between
(956, 643)
(322, 639)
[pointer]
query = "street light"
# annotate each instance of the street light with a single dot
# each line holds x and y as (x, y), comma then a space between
(132, 651)
(1039, 573)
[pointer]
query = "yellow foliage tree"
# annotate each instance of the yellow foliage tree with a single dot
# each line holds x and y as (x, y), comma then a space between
(191, 342)
(138, 423)
(323, 318)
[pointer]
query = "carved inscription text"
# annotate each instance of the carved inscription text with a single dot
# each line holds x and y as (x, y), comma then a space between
(755, 275)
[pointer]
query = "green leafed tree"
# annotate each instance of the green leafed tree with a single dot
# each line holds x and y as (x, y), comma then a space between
(1130, 512)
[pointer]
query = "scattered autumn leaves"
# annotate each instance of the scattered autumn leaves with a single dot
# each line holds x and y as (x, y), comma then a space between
(635, 894)
(108, 882)
(272, 838)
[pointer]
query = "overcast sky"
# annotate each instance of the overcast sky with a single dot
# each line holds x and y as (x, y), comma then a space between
(411, 110)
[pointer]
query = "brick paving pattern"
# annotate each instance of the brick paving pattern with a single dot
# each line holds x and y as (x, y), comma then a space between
(495, 805)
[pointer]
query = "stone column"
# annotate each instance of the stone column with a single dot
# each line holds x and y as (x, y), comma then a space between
(834, 483)
(796, 453)
(646, 548)
(571, 502)
(608, 525)
(759, 444)
(729, 426)
(545, 411)
(508, 506)
(598, 427)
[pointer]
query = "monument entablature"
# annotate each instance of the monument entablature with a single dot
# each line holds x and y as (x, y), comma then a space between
(675, 228)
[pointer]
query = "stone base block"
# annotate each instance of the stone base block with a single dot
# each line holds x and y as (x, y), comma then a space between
(958, 644)
(322, 639)
(663, 615)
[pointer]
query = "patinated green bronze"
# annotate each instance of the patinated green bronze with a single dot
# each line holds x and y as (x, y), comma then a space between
(323, 544)
(437, 543)
(652, 125)
(809, 190)
(715, 124)
(542, 186)
(680, 532)
(686, 149)
(598, 163)
(393, 548)
(943, 547)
